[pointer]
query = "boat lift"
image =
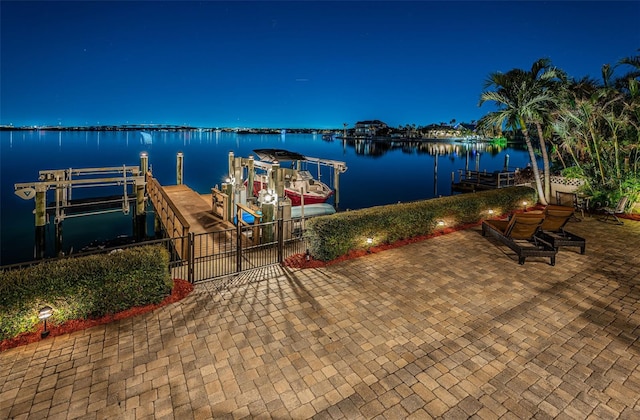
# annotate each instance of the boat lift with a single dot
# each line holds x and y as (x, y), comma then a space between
(233, 198)
(63, 181)
(241, 169)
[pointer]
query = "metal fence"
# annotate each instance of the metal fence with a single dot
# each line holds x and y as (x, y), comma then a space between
(243, 248)
(222, 253)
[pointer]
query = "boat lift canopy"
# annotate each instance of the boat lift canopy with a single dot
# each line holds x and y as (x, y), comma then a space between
(279, 155)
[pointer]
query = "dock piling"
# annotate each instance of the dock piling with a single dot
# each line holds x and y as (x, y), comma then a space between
(227, 188)
(336, 186)
(179, 168)
(435, 174)
(60, 193)
(140, 221)
(268, 216)
(250, 176)
(40, 220)
(144, 164)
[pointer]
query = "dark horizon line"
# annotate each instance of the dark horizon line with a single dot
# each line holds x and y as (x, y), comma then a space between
(176, 127)
(154, 127)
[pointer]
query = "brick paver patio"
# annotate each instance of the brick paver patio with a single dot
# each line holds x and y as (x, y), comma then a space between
(451, 327)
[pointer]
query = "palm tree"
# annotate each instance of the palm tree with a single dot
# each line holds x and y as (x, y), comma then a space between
(523, 97)
(548, 80)
(627, 81)
(599, 127)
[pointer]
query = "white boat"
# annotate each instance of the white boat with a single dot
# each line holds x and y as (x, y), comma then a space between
(299, 186)
(312, 210)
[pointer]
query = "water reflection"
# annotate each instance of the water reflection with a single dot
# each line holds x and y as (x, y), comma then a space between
(379, 172)
(376, 148)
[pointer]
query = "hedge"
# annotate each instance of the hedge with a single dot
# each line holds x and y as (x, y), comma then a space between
(83, 287)
(332, 236)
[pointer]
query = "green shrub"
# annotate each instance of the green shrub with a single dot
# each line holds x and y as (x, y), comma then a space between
(332, 236)
(83, 287)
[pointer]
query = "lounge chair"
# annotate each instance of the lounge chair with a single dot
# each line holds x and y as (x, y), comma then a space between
(613, 212)
(553, 230)
(519, 234)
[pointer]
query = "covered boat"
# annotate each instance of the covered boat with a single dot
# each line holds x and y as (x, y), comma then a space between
(299, 185)
(278, 155)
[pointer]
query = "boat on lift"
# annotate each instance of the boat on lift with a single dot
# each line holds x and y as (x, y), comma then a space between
(299, 186)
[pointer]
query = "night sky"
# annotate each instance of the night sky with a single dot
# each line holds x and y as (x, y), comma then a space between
(288, 64)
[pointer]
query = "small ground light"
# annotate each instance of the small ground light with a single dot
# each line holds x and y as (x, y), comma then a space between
(490, 211)
(45, 313)
(440, 222)
(369, 242)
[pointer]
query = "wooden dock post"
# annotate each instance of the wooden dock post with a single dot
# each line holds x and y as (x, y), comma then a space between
(144, 164)
(250, 176)
(240, 193)
(336, 186)
(435, 174)
(60, 193)
(268, 216)
(140, 221)
(276, 180)
(227, 189)
(285, 215)
(231, 161)
(58, 241)
(237, 172)
(179, 168)
(41, 220)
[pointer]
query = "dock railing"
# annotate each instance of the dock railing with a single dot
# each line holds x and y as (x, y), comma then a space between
(175, 224)
(506, 179)
(484, 180)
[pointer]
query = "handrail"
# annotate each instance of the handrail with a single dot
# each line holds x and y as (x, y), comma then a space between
(502, 179)
(174, 222)
(256, 220)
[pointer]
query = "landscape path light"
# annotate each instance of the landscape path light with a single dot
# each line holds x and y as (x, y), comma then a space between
(44, 314)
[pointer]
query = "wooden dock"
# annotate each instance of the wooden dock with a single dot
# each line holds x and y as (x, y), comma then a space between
(472, 181)
(181, 211)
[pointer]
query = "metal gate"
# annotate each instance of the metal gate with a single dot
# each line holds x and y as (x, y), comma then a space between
(232, 251)
(206, 256)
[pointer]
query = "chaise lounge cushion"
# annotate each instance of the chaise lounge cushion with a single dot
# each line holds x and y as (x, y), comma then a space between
(519, 226)
(553, 230)
(518, 233)
(556, 217)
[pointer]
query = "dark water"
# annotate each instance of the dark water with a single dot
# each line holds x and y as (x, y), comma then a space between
(378, 173)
